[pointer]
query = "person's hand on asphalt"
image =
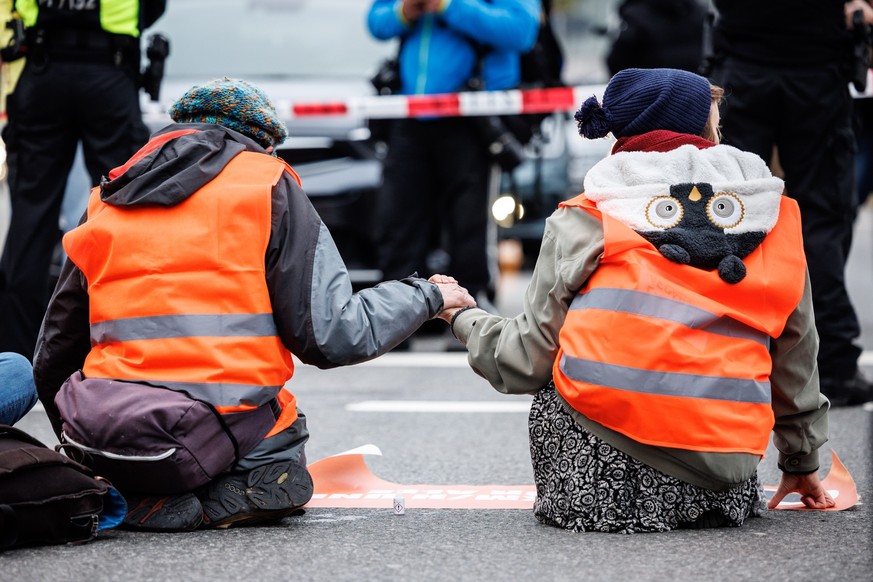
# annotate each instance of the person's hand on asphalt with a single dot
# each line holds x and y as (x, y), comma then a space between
(812, 494)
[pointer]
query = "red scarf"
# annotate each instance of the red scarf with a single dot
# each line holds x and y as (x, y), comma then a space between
(660, 140)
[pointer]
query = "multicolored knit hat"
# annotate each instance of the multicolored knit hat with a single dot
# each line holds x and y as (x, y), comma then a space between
(637, 101)
(233, 104)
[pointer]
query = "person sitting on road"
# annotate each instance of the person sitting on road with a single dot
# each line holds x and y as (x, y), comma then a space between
(201, 267)
(667, 328)
(17, 391)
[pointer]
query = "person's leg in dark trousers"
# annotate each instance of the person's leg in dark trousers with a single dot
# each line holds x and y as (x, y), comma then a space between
(111, 125)
(408, 202)
(817, 153)
(863, 125)
(41, 139)
(463, 173)
(809, 122)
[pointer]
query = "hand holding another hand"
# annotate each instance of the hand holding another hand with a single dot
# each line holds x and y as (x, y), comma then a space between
(454, 296)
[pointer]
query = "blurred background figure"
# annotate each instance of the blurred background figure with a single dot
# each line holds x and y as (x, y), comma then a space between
(787, 87)
(80, 83)
(442, 167)
(658, 34)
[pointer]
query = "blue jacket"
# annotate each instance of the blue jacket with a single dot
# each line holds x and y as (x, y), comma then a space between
(439, 52)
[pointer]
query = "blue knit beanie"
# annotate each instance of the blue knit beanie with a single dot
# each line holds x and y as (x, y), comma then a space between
(233, 104)
(640, 100)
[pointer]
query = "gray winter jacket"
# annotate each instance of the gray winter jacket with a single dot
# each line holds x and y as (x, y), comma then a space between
(318, 316)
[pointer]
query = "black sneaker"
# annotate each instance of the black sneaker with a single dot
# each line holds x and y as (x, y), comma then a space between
(848, 392)
(169, 513)
(263, 494)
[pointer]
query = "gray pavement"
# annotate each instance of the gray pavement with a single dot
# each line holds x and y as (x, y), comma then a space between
(476, 448)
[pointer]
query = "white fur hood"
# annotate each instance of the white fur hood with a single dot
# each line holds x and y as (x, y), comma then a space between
(623, 184)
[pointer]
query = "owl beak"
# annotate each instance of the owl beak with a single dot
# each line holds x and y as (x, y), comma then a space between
(694, 196)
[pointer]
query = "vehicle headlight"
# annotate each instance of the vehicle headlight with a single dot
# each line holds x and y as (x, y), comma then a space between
(506, 210)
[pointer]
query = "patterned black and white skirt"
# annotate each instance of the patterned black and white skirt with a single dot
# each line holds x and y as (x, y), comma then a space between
(585, 484)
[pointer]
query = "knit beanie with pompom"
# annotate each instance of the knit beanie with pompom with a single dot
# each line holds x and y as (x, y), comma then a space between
(637, 101)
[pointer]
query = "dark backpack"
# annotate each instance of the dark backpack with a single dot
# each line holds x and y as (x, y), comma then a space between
(48, 498)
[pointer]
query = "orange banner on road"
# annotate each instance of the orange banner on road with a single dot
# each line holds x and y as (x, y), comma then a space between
(344, 480)
(838, 483)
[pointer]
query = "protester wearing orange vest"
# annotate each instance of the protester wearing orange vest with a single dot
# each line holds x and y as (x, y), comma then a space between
(200, 269)
(667, 328)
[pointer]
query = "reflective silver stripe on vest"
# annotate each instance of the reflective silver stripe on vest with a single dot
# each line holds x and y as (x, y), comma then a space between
(217, 393)
(174, 326)
(641, 303)
(665, 383)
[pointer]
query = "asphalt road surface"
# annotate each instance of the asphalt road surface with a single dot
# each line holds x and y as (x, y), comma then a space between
(397, 403)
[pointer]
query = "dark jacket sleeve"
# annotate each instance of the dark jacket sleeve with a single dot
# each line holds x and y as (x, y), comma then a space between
(64, 339)
(319, 318)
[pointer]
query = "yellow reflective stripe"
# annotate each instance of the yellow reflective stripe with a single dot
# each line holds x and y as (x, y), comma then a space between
(28, 11)
(120, 17)
(116, 17)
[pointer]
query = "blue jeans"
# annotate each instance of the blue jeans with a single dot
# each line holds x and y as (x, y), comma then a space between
(17, 391)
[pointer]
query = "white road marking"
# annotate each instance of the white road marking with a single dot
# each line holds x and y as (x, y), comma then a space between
(420, 360)
(437, 406)
(459, 360)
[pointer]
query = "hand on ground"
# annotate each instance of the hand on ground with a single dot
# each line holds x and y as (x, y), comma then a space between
(812, 494)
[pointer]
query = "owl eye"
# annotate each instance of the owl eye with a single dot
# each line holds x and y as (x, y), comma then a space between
(725, 210)
(664, 212)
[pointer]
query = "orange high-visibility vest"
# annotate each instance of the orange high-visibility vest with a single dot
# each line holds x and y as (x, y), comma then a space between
(178, 295)
(670, 355)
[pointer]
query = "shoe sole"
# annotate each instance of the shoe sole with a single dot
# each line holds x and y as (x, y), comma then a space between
(137, 518)
(277, 491)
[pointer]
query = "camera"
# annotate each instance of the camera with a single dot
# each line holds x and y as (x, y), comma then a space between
(387, 78)
(503, 146)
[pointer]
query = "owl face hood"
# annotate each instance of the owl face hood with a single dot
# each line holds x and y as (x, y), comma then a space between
(708, 208)
(624, 184)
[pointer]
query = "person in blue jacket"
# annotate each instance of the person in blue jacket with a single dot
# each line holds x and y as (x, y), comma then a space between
(440, 167)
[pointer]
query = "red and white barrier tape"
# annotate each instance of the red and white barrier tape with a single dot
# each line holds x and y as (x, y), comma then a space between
(450, 104)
